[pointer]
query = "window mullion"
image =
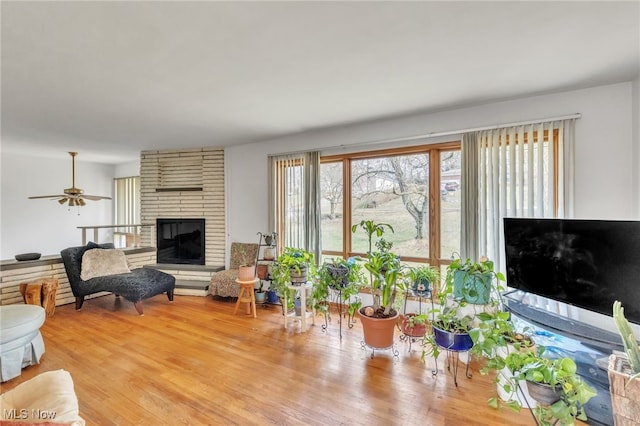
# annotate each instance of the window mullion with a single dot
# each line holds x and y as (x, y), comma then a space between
(346, 208)
(434, 206)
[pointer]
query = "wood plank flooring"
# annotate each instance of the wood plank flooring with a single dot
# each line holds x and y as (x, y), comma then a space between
(193, 362)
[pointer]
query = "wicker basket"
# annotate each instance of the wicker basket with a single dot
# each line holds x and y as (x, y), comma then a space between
(624, 399)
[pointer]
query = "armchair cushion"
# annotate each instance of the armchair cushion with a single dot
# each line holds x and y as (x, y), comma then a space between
(102, 262)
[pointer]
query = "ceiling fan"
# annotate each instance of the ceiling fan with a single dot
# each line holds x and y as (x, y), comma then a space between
(74, 196)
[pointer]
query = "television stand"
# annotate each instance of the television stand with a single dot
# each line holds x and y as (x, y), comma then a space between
(586, 344)
(587, 334)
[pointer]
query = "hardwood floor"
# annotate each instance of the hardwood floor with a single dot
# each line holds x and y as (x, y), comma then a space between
(193, 362)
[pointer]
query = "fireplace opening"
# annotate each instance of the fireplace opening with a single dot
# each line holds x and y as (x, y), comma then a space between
(180, 241)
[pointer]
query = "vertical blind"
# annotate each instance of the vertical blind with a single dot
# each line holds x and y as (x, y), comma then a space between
(289, 201)
(127, 201)
(522, 172)
(294, 200)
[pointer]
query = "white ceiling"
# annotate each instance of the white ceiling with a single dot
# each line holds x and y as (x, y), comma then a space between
(109, 79)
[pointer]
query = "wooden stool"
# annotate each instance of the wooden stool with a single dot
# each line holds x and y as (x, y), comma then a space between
(41, 293)
(247, 295)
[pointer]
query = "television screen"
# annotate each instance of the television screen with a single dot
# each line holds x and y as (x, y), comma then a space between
(585, 263)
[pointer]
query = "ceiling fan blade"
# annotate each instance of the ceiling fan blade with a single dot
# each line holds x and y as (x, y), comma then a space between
(47, 196)
(94, 197)
(72, 195)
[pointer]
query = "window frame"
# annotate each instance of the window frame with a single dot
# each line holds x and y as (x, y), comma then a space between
(434, 151)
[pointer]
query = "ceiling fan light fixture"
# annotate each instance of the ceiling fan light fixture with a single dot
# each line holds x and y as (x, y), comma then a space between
(74, 196)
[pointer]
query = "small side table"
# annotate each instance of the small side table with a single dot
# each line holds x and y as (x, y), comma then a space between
(247, 295)
(41, 293)
(302, 289)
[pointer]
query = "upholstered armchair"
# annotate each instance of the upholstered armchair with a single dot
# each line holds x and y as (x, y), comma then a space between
(223, 283)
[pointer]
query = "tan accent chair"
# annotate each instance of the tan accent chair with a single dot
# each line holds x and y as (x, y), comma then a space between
(223, 283)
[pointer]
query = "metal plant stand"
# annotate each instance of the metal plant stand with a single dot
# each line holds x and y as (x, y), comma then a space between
(453, 359)
(392, 348)
(342, 312)
(531, 410)
(404, 337)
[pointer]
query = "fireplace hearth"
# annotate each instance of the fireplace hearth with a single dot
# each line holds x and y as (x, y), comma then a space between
(180, 241)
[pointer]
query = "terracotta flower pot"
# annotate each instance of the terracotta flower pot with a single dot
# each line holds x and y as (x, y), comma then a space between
(246, 273)
(378, 332)
(417, 330)
(263, 269)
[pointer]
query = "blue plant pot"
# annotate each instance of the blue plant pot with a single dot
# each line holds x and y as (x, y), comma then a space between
(472, 288)
(272, 297)
(457, 342)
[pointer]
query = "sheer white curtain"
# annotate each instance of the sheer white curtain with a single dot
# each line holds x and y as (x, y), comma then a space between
(294, 200)
(522, 172)
(469, 198)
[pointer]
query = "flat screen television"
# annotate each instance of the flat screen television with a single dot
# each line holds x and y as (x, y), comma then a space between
(584, 263)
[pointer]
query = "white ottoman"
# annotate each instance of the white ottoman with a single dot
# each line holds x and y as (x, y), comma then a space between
(20, 339)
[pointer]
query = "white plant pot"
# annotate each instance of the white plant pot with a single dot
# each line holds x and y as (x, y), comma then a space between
(521, 393)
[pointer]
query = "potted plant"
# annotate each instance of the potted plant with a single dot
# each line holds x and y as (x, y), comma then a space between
(339, 274)
(472, 281)
(423, 278)
(418, 281)
(269, 251)
(414, 325)
(261, 294)
(292, 266)
(494, 338)
(450, 325)
(247, 266)
(624, 372)
(554, 383)
(378, 320)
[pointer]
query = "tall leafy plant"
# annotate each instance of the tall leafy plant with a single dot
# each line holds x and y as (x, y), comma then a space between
(383, 265)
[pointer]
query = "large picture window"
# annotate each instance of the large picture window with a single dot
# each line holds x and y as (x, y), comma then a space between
(415, 189)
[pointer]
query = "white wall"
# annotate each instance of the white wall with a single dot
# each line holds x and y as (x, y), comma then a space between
(43, 225)
(636, 139)
(606, 153)
(126, 170)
